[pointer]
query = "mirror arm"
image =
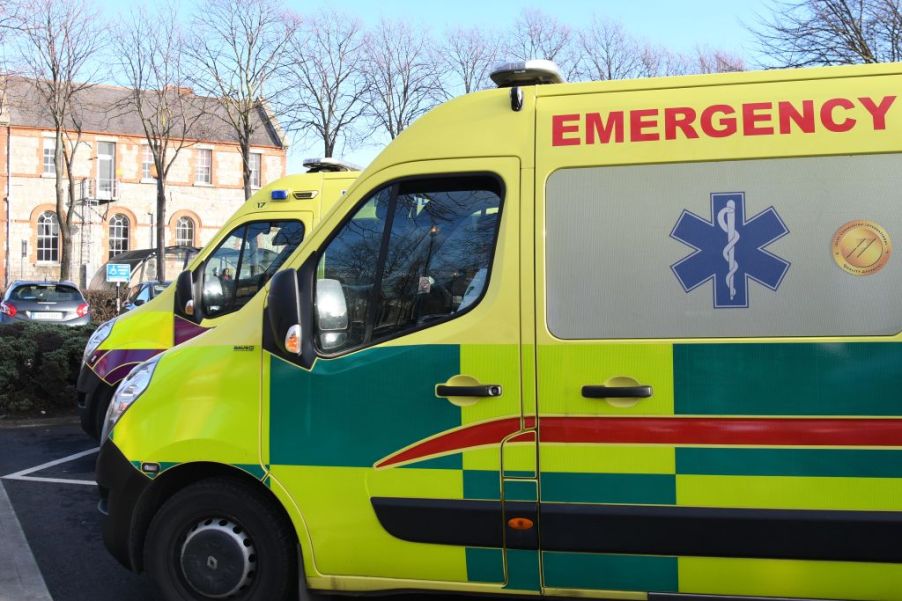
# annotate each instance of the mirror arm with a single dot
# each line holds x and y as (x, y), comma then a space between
(307, 288)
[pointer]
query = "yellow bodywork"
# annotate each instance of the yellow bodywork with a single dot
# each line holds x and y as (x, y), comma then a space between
(218, 398)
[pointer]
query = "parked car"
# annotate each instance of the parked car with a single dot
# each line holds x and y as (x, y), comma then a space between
(47, 302)
(143, 292)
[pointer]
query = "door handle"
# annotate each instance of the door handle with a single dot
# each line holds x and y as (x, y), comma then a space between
(480, 390)
(617, 392)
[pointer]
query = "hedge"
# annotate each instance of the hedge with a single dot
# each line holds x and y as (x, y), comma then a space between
(39, 366)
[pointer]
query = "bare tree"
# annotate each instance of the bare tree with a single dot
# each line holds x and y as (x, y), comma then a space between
(608, 51)
(802, 33)
(466, 59)
(713, 60)
(239, 51)
(58, 42)
(149, 50)
(536, 34)
(400, 74)
(325, 77)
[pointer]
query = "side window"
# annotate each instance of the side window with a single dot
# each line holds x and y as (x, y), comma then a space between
(417, 253)
(729, 249)
(244, 261)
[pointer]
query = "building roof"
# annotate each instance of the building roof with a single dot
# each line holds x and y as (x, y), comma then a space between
(105, 109)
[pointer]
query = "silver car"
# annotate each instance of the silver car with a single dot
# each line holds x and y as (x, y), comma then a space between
(48, 302)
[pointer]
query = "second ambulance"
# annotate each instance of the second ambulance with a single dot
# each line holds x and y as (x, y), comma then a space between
(240, 258)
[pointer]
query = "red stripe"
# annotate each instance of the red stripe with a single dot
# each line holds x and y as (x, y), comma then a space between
(723, 431)
(763, 431)
(455, 440)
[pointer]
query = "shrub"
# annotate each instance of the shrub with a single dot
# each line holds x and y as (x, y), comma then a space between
(103, 303)
(39, 366)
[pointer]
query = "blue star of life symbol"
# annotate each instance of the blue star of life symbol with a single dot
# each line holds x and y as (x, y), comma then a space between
(729, 250)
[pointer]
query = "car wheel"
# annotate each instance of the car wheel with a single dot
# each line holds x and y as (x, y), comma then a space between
(221, 539)
(103, 394)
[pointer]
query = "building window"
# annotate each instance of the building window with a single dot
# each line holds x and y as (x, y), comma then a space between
(119, 226)
(184, 231)
(106, 169)
(147, 165)
(204, 166)
(49, 152)
(48, 238)
(255, 169)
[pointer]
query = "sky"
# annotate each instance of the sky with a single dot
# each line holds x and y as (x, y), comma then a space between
(678, 25)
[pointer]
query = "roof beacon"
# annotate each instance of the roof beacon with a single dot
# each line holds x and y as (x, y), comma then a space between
(328, 164)
(526, 73)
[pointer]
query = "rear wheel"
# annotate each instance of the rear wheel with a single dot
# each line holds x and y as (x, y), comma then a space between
(221, 539)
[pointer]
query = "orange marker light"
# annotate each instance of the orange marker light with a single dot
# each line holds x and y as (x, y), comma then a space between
(520, 523)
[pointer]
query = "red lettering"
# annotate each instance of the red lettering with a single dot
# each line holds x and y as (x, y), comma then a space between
(827, 115)
(679, 118)
(878, 112)
(559, 127)
(789, 114)
(640, 121)
(724, 127)
(596, 126)
(752, 115)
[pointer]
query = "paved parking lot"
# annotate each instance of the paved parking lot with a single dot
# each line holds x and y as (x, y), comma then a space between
(47, 474)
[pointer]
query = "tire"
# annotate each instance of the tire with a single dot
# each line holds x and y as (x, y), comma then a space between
(103, 395)
(214, 508)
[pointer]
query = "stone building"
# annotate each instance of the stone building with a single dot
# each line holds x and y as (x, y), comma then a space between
(115, 186)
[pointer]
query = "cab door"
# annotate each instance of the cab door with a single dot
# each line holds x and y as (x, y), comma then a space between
(388, 431)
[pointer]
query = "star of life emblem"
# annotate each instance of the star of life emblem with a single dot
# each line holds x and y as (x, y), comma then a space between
(729, 250)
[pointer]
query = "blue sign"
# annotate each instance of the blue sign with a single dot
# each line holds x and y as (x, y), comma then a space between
(729, 250)
(118, 273)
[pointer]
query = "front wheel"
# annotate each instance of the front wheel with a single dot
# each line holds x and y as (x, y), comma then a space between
(221, 539)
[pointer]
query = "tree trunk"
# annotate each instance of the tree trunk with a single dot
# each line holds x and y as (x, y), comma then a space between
(65, 250)
(246, 165)
(161, 228)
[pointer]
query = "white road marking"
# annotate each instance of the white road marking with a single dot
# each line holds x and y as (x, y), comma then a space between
(23, 475)
(20, 578)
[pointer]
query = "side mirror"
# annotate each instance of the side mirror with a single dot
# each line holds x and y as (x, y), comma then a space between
(331, 314)
(184, 294)
(283, 311)
(138, 302)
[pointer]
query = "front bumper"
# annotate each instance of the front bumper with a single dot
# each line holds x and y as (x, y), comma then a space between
(121, 487)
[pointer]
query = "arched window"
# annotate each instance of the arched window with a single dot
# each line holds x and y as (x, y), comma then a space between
(119, 230)
(48, 238)
(184, 231)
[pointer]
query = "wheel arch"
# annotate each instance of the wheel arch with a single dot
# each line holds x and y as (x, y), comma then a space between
(176, 478)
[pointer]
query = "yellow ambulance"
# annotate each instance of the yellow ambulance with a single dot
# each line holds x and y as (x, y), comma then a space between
(242, 257)
(619, 340)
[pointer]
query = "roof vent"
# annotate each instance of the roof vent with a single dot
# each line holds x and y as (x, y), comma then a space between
(305, 195)
(328, 164)
(526, 73)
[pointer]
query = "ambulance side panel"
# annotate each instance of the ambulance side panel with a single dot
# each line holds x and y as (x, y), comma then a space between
(729, 247)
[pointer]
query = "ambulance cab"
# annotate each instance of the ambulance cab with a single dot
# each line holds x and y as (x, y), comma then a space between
(240, 258)
(616, 340)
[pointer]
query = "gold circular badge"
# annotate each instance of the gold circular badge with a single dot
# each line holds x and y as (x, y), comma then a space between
(861, 247)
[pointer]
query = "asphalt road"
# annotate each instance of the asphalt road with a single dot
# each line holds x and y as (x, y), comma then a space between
(57, 509)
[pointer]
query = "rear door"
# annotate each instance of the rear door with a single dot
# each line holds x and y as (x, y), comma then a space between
(718, 357)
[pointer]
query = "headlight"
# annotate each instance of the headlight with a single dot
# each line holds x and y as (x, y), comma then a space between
(99, 335)
(134, 384)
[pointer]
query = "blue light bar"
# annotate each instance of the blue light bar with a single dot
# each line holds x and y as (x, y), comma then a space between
(279, 194)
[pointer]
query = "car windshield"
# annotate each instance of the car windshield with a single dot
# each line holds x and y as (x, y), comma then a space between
(46, 293)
